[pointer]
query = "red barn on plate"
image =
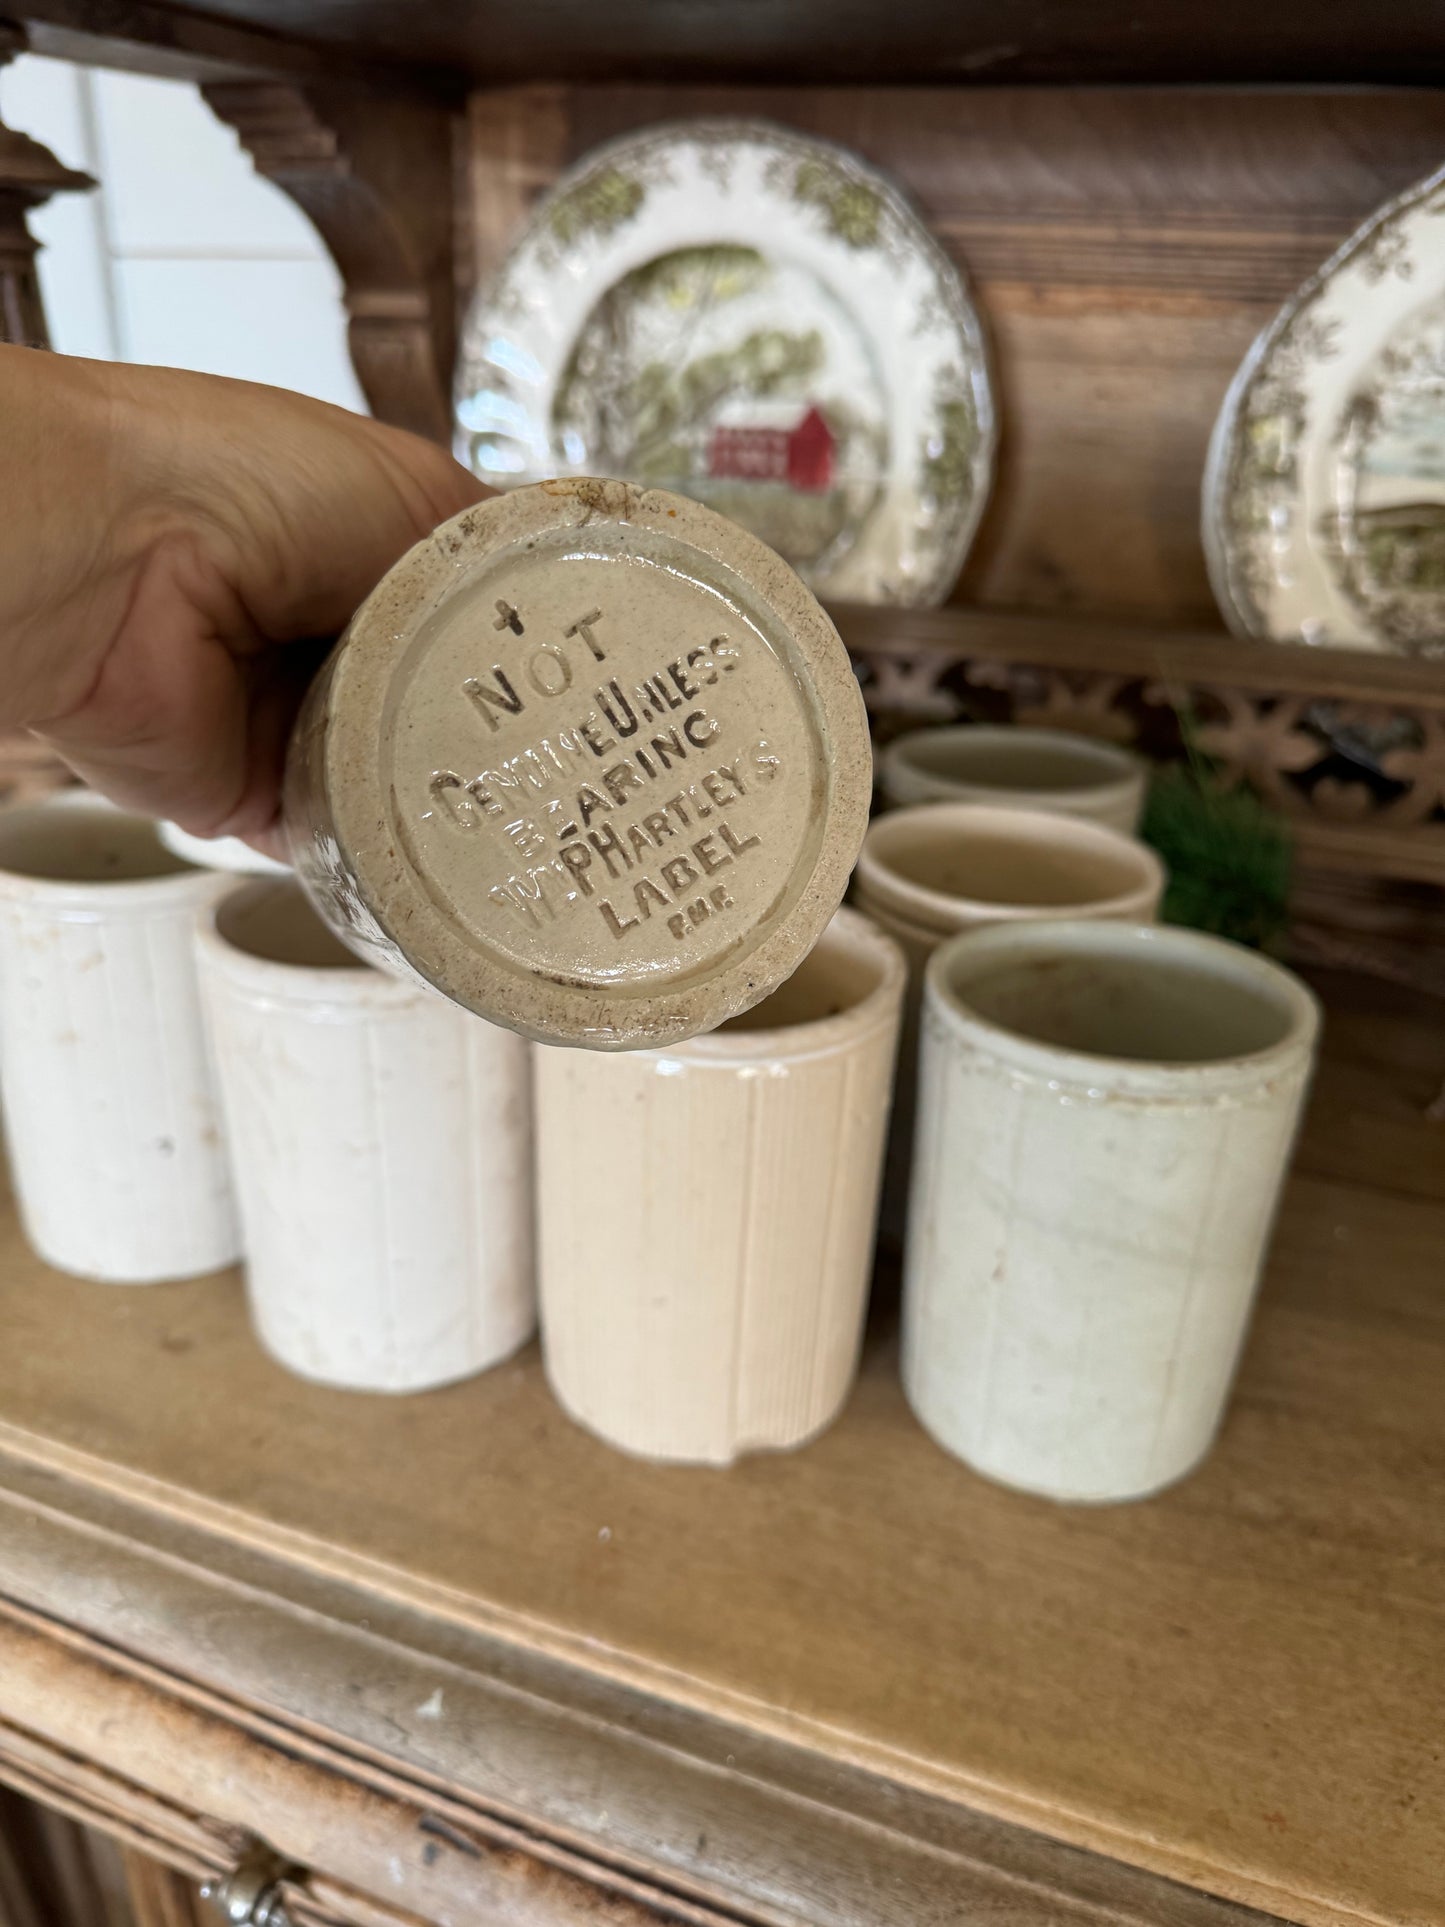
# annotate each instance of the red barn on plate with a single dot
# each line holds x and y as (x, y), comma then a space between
(773, 442)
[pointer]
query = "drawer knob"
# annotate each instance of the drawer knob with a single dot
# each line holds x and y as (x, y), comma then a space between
(250, 1894)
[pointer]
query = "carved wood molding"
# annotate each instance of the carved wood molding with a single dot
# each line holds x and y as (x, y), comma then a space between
(1349, 747)
(374, 174)
(29, 175)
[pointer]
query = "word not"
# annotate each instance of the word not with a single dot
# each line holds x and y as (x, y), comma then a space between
(549, 672)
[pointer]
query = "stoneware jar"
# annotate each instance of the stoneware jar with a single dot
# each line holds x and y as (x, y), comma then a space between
(381, 1142)
(707, 1213)
(930, 871)
(927, 872)
(1027, 769)
(1105, 1116)
(591, 761)
(111, 1115)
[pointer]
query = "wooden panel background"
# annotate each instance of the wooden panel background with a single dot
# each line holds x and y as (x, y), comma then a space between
(1126, 246)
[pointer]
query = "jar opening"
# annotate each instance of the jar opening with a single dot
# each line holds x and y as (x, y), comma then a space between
(1028, 763)
(84, 843)
(837, 975)
(981, 864)
(273, 920)
(1144, 1006)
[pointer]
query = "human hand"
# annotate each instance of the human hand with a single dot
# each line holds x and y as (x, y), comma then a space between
(170, 544)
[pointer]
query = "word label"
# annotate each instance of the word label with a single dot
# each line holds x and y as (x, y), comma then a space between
(595, 862)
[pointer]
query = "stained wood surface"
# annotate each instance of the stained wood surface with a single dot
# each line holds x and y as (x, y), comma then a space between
(152, 1755)
(55, 1872)
(955, 40)
(1240, 1684)
(323, 1733)
(1126, 247)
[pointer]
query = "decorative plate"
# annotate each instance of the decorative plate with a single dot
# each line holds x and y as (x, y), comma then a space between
(1324, 495)
(755, 319)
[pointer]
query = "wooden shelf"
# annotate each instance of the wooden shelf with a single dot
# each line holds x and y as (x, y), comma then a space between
(769, 1693)
(1251, 704)
(1090, 643)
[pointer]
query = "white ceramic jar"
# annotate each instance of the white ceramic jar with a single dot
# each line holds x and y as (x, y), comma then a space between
(1105, 1116)
(927, 872)
(381, 1143)
(111, 1115)
(1026, 769)
(707, 1213)
(932, 870)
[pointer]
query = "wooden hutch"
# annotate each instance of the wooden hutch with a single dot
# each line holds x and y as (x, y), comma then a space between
(447, 1660)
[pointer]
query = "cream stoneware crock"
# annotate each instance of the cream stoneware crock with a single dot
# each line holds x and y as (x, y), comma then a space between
(707, 1213)
(111, 1114)
(1106, 1113)
(928, 872)
(382, 1148)
(1026, 769)
(591, 761)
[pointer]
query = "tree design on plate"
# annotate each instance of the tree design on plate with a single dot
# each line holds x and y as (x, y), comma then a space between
(950, 451)
(739, 381)
(1263, 486)
(1385, 534)
(604, 200)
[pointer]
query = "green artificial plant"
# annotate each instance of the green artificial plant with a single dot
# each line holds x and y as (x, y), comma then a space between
(1227, 853)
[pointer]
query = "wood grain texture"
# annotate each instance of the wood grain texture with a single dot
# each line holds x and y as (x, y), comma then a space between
(516, 145)
(482, 1750)
(177, 43)
(1240, 1685)
(955, 40)
(1126, 248)
(56, 1872)
(161, 1897)
(72, 1702)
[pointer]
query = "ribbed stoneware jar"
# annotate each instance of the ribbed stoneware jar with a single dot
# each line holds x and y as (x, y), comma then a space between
(707, 1213)
(382, 1148)
(1105, 1116)
(111, 1115)
(937, 868)
(591, 761)
(932, 870)
(1024, 769)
